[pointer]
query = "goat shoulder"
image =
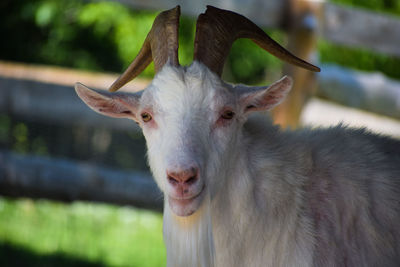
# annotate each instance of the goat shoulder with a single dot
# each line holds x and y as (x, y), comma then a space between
(342, 185)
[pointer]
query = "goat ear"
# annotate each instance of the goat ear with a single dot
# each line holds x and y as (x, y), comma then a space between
(116, 105)
(265, 98)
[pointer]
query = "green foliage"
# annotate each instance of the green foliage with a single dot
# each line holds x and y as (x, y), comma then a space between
(389, 6)
(48, 32)
(247, 62)
(126, 30)
(106, 36)
(103, 36)
(114, 236)
(359, 59)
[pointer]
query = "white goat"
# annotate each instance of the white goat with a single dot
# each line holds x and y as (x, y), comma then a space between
(238, 190)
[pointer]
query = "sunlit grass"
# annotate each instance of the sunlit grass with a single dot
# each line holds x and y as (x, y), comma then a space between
(113, 236)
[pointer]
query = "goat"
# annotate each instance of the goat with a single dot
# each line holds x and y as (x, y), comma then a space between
(239, 191)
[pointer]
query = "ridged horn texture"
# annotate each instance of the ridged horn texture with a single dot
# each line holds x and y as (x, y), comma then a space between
(217, 29)
(160, 45)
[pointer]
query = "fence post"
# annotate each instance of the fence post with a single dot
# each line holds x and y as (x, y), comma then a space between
(302, 22)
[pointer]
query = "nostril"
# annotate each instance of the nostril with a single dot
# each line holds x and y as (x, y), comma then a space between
(191, 180)
(172, 180)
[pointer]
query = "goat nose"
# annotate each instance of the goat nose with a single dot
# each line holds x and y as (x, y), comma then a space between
(188, 176)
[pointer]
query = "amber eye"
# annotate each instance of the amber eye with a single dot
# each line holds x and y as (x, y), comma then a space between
(227, 114)
(146, 117)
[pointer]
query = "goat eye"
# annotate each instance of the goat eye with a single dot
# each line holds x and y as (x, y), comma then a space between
(146, 117)
(228, 115)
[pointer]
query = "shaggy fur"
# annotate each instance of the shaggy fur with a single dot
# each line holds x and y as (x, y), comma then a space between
(326, 197)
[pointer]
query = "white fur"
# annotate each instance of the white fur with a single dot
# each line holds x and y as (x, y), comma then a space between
(272, 198)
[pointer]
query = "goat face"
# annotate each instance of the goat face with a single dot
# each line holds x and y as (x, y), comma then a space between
(192, 123)
(190, 133)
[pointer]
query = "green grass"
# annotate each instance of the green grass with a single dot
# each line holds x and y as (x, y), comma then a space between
(78, 234)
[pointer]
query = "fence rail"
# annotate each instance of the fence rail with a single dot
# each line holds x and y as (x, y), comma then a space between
(361, 28)
(67, 180)
(369, 91)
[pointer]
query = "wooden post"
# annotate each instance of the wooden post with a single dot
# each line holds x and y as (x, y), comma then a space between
(302, 25)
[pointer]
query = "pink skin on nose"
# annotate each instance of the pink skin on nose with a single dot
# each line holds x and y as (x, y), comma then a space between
(183, 182)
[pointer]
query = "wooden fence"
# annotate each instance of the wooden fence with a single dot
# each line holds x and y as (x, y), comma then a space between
(28, 94)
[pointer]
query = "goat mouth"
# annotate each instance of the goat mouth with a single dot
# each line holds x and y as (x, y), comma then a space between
(186, 206)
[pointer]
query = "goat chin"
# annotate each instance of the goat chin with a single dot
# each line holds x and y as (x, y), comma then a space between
(185, 207)
(189, 239)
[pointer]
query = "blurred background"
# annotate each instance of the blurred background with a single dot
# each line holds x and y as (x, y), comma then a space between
(75, 189)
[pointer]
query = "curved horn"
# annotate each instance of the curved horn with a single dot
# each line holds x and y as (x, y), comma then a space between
(160, 45)
(217, 29)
